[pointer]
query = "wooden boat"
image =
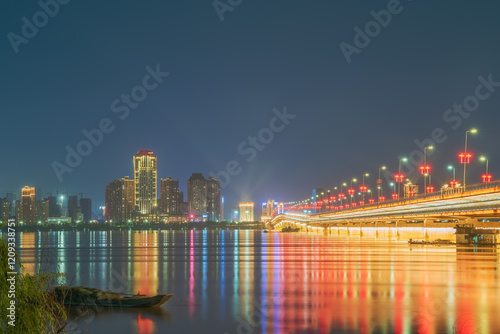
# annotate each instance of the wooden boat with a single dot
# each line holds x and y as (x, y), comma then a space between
(81, 296)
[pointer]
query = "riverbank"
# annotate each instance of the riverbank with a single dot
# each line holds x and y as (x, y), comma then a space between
(138, 226)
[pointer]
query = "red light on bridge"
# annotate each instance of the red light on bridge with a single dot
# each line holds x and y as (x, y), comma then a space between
(341, 207)
(425, 169)
(351, 191)
(379, 182)
(341, 196)
(411, 193)
(381, 199)
(346, 206)
(361, 203)
(363, 189)
(399, 177)
(395, 196)
(371, 201)
(465, 158)
(354, 205)
(487, 178)
(453, 184)
(430, 189)
(335, 208)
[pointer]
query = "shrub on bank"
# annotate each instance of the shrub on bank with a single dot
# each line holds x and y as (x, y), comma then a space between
(36, 309)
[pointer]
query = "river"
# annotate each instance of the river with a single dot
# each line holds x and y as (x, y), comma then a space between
(253, 282)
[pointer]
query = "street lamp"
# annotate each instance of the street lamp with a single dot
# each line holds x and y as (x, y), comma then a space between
(425, 169)
(341, 195)
(466, 157)
(453, 183)
(379, 181)
(351, 191)
(487, 176)
(363, 189)
(400, 177)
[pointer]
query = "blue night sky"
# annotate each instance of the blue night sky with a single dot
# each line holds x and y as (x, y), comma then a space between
(226, 77)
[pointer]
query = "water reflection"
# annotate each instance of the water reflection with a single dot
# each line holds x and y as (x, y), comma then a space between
(246, 281)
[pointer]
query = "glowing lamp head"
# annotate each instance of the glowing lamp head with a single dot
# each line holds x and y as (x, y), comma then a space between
(473, 131)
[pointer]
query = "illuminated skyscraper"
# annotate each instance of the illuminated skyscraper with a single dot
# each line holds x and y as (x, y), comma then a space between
(246, 212)
(170, 196)
(222, 208)
(145, 182)
(120, 200)
(213, 199)
(28, 205)
(197, 196)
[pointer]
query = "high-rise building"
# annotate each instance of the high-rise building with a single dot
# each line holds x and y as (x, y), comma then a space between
(38, 193)
(197, 196)
(12, 198)
(73, 207)
(246, 212)
(28, 205)
(42, 210)
(145, 169)
(18, 210)
(170, 196)
(54, 209)
(213, 199)
(222, 208)
(86, 206)
(120, 200)
(5, 209)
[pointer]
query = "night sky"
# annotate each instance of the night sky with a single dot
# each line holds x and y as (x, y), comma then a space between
(226, 77)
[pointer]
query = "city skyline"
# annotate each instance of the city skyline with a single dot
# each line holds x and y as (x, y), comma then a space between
(349, 116)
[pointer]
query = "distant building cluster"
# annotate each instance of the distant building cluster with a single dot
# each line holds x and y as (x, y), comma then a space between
(136, 200)
(32, 209)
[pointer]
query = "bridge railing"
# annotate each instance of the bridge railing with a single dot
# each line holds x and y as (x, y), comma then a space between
(441, 194)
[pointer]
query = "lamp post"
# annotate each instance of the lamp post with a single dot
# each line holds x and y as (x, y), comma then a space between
(351, 191)
(487, 176)
(363, 188)
(341, 195)
(379, 181)
(400, 177)
(465, 158)
(426, 169)
(450, 167)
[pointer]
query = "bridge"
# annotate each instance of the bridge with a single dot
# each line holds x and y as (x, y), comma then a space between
(431, 217)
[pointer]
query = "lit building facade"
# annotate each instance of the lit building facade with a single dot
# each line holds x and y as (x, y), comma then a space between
(246, 212)
(145, 171)
(28, 205)
(222, 208)
(197, 196)
(213, 200)
(170, 196)
(42, 210)
(120, 200)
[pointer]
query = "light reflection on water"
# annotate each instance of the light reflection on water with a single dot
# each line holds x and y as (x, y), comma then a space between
(251, 282)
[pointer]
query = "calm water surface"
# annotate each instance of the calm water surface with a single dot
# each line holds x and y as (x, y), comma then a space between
(254, 282)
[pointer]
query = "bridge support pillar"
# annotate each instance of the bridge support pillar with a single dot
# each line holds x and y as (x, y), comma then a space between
(471, 221)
